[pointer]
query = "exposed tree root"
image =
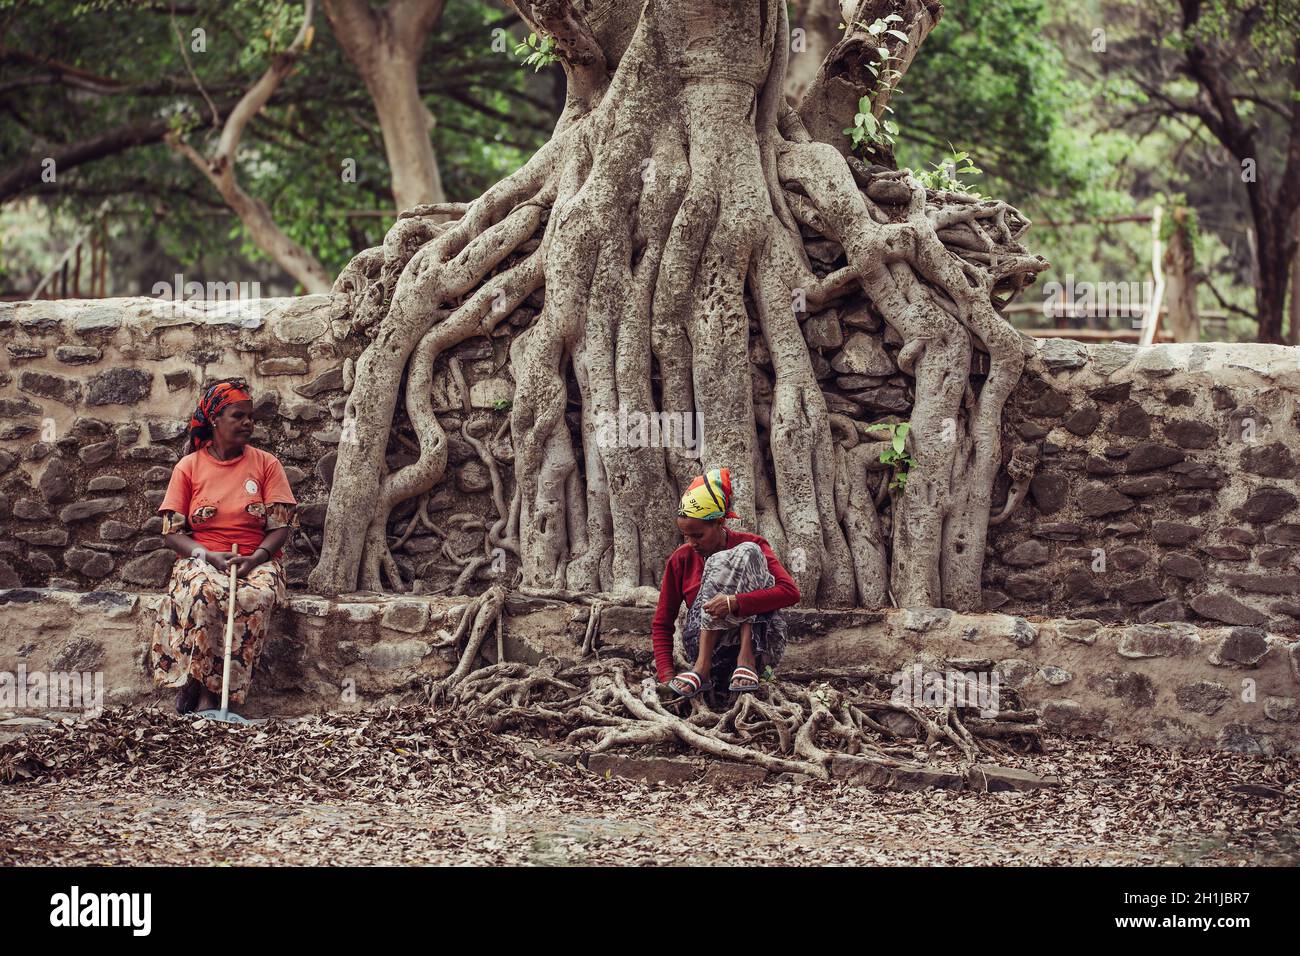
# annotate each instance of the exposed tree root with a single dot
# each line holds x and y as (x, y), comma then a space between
(784, 727)
(479, 617)
(669, 222)
(797, 726)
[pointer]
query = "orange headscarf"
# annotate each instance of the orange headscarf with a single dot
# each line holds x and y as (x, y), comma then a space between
(214, 400)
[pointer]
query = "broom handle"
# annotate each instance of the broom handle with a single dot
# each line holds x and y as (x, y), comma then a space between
(230, 638)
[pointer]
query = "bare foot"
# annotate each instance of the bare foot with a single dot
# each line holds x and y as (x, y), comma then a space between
(188, 696)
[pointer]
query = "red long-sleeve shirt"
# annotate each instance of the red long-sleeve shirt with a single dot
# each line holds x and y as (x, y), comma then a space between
(682, 583)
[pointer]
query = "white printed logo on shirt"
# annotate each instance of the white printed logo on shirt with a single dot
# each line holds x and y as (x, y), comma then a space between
(250, 486)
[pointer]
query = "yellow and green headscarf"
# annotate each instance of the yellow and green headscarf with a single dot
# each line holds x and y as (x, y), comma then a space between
(709, 497)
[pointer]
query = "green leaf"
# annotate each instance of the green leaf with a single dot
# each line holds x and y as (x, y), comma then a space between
(900, 34)
(900, 435)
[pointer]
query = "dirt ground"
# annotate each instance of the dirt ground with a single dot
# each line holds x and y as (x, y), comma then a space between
(403, 788)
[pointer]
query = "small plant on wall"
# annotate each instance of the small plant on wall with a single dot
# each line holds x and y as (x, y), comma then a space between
(895, 456)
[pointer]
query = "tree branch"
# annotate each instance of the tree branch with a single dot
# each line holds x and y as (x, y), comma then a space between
(415, 19)
(356, 27)
(185, 55)
(140, 133)
(220, 168)
(580, 52)
(258, 95)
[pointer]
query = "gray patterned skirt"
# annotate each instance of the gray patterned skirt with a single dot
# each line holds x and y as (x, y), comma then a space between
(737, 570)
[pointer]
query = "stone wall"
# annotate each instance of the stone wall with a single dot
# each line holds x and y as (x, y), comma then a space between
(95, 399)
(1175, 684)
(1166, 487)
(1148, 580)
(1178, 684)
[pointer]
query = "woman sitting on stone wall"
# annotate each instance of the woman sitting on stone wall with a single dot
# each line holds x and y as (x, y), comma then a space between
(734, 587)
(224, 492)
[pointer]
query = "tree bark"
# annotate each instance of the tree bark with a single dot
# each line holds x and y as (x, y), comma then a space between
(1293, 330)
(814, 30)
(384, 46)
(667, 224)
(1180, 280)
(1274, 250)
(843, 78)
(1273, 211)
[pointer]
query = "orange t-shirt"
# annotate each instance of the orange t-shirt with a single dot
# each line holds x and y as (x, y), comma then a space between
(255, 480)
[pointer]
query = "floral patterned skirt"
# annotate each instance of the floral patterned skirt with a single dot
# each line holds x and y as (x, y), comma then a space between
(189, 635)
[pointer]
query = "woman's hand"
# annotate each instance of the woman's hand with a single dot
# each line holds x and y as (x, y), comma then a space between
(719, 605)
(245, 563)
(217, 559)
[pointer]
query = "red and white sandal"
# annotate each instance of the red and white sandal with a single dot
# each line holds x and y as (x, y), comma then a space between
(693, 683)
(743, 681)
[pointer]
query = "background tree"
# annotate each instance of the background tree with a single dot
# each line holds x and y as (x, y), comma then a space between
(97, 88)
(386, 45)
(815, 27)
(219, 167)
(1226, 75)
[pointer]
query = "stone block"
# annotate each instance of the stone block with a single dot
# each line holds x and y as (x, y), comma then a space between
(1150, 640)
(989, 778)
(645, 769)
(1242, 646)
(410, 618)
(1205, 697)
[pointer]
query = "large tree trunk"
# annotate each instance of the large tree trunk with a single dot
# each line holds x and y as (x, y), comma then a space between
(1180, 280)
(384, 45)
(814, 30)
(406, 125)
(669, 212)
(845, 76)
(1274, 276)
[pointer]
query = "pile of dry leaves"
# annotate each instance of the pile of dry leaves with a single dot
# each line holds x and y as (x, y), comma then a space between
(329, 756)
(414, 786)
